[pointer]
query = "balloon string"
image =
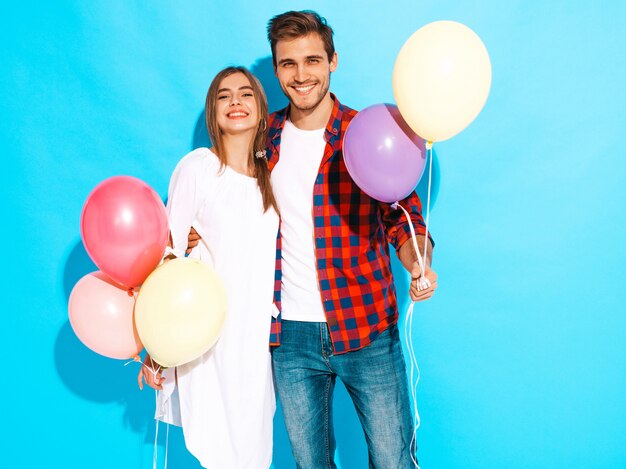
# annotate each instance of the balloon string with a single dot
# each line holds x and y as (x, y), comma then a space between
(423, 282)
(152, 369)
(429, 146)
(155, 370)
(167, 442)
(414, 376)
(135, 359)
(156, 438)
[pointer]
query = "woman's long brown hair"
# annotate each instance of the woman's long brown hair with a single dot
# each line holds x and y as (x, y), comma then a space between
(261, 171)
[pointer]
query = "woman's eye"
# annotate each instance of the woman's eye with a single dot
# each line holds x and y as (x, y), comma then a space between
(222, 97)
(248, 95)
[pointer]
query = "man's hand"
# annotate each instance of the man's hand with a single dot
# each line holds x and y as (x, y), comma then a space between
(417, 295)
(407, 256)
(192, 240)
(152, 380)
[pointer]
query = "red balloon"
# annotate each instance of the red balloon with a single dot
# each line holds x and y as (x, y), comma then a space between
(124, 228)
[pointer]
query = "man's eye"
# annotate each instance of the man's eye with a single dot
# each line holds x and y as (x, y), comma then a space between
(313, 61)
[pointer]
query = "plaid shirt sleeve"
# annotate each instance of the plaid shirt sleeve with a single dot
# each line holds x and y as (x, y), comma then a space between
(276, 121)
(397, 227)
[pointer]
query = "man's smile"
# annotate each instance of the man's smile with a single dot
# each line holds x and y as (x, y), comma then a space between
(303, 90)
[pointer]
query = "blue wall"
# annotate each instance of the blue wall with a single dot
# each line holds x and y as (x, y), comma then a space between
(521, 351)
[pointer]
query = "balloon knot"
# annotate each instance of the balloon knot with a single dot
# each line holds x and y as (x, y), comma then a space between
(394, 206)
(429, 144)
(131, 291)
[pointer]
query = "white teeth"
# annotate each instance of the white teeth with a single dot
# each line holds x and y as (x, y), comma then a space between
(303, 89)
(237, 114)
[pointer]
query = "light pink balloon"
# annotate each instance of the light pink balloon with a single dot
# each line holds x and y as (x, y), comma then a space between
(101, 314)
(124, 228)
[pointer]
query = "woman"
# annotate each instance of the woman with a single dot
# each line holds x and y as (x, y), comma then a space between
(224, 400)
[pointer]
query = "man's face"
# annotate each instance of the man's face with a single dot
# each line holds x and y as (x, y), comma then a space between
(303, 70)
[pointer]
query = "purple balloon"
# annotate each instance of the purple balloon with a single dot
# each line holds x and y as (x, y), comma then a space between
(383, 155)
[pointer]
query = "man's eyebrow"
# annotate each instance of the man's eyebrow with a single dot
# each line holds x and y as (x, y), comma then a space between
(245, 87)
(308, 57)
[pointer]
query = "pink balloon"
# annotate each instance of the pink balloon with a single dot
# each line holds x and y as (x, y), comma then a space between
(124, 228)
(384, 157)
(101, 314)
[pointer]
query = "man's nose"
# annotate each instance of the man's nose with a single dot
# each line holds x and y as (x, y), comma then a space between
(301, 74)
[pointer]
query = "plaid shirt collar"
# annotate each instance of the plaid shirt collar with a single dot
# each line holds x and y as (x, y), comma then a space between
(332, 135)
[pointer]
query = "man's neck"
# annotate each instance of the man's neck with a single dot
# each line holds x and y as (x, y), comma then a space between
(312, 119)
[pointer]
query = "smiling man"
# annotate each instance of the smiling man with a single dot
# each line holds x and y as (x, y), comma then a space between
(334, 285)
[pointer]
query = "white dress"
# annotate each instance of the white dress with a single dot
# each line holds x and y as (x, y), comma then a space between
(225, 400)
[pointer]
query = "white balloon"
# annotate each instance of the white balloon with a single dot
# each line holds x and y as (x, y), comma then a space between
(441, 79)
(180, 311)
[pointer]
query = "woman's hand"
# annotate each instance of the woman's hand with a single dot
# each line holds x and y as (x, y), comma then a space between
(153, 380)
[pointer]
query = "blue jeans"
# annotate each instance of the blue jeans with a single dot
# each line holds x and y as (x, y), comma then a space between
(305, 370)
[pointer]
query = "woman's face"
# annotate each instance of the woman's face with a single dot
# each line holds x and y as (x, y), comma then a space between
(236, 110)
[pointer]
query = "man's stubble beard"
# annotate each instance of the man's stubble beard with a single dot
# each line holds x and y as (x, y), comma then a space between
(320, 97)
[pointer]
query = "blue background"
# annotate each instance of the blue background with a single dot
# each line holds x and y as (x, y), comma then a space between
(522, 350)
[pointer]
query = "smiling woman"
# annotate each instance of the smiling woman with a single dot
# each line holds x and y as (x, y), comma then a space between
(236, 105)
(224, 400)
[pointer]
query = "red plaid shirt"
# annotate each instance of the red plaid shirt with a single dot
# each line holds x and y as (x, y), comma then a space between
(352, 236)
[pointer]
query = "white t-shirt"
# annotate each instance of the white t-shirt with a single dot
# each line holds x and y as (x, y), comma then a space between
(293, 178)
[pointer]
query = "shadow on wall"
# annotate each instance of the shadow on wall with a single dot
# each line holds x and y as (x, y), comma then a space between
(264, 71)
(104, 380)
(92, 376)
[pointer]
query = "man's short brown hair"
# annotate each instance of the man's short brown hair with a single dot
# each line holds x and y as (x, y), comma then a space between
(295, 24)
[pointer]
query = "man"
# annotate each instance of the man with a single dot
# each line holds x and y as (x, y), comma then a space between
(334, 283)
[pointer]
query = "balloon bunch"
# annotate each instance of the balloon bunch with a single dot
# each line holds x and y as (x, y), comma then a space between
(441, 81)
(180, 308)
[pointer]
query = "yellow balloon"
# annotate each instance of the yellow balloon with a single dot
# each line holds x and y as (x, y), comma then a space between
(180, 311)
(441, 79)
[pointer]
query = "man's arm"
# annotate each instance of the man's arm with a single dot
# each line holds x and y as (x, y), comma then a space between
(193, 238)
(407, 256)
(399, 235)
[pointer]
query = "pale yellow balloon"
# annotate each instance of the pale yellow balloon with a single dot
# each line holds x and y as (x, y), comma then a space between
(441, 79)
(180, 311)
